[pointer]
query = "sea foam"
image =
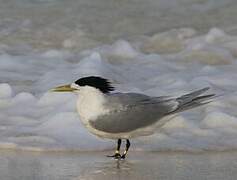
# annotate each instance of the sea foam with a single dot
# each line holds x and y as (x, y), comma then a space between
(33, 118)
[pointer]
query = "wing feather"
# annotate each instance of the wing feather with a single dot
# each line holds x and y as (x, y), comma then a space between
(131, 111)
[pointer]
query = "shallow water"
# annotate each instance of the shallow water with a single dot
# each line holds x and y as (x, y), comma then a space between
(80, 166)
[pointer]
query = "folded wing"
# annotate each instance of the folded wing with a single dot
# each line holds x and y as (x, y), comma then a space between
(131, 111)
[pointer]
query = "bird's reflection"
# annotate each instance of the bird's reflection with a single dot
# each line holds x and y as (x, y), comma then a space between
(108, 169)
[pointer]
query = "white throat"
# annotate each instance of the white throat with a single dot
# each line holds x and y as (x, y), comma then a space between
(90, 103)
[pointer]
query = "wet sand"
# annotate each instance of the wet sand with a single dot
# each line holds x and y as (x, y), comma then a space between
(19, 165)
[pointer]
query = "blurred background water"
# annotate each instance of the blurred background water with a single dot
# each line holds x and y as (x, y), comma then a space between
(81, 24)
(156, 47)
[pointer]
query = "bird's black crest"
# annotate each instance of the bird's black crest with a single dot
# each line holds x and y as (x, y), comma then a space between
(100, 83)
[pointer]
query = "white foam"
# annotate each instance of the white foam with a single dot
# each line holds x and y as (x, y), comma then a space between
(5, 91)
(214, 35)
(172, 41)
(123, 49)
(33, 118)
(219, 120)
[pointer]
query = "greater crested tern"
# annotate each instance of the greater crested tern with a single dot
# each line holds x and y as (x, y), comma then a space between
(126, 115)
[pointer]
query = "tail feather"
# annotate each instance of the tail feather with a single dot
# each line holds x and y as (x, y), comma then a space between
(188, 97)
(203, 98)
(193, 100)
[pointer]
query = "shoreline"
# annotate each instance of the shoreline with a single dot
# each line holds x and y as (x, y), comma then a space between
(138, 165)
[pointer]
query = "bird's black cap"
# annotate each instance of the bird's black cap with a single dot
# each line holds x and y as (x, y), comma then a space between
(97, 82)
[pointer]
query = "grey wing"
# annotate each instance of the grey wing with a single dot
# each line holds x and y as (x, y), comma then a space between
(131, 111)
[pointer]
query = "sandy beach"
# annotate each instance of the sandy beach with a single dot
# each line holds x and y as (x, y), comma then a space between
(19, 165)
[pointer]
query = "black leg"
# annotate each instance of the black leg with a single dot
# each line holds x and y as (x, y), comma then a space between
(118, 145)
(117, 152)
(126, 149)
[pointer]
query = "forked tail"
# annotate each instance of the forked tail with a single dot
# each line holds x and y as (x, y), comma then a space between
(193, 99)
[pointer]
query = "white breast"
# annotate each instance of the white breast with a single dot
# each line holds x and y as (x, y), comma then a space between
(90, 104)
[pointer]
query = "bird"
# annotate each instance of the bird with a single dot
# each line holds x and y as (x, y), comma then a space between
(123, 116)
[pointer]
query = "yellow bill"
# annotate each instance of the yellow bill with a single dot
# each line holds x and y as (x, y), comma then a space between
(64, 88)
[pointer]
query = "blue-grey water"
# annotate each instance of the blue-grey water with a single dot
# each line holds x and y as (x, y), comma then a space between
(49, 23)
(40, 45)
